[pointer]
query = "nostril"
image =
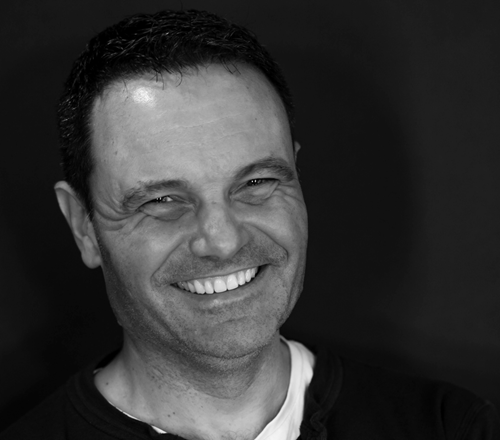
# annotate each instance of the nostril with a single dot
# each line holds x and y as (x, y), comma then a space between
(219, 234)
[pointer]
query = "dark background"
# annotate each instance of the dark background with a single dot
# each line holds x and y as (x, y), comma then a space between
(398, 106)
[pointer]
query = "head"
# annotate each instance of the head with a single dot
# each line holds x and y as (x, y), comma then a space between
(168, 41)
(198, 222)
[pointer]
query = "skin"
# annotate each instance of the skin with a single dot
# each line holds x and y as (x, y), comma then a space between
(195, 177)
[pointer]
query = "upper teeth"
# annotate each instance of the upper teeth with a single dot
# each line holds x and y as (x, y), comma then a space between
(220, 283)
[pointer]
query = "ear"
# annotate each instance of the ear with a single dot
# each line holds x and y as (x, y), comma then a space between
(296, 148)
(80, 224)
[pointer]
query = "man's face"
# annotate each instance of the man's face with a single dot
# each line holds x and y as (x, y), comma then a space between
(195, 188)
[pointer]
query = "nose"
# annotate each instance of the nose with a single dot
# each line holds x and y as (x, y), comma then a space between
(220, 234)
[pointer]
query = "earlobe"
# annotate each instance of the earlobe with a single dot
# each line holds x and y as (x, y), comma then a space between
(80, 224)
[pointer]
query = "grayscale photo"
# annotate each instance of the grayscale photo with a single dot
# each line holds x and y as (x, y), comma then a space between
(250, 221)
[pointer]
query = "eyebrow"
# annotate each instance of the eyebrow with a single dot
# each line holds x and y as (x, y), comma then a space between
(275, 165)
(137, 195)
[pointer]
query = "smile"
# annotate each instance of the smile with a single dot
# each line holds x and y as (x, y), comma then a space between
(218, 284)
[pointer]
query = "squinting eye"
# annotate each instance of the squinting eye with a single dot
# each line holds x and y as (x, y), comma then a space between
(167, 208)
(256, 182)
(162, 199)
(256, 191)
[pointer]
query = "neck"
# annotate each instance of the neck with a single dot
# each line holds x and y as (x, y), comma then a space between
(171, 391)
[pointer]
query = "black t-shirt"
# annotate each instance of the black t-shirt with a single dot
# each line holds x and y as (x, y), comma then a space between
(345, 400)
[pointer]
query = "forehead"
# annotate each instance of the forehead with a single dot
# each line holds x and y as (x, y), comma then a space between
(151, 126)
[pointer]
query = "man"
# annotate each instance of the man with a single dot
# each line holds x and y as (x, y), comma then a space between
(179, 159)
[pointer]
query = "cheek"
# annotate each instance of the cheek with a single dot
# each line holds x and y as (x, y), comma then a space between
(144, 250)
(285, 222)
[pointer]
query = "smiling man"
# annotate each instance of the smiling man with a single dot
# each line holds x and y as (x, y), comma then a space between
(199, 221)
(200, 227)
(181, 184)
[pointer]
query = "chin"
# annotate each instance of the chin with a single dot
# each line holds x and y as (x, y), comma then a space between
(236, 341)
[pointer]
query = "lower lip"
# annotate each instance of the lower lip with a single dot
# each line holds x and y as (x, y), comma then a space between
(227, 294)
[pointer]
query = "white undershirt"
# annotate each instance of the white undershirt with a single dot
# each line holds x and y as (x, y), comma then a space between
(286, 424)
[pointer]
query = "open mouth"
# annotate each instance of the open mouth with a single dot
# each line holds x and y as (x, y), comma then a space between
(218, 284)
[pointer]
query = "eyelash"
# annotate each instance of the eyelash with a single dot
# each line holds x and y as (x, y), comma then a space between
(161, 199)
(256, 182)
(252, 182)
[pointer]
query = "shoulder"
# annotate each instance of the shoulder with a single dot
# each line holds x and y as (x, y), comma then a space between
(44, 421)
(63, 415)
(372, 402)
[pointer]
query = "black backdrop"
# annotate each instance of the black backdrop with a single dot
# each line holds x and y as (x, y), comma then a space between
(398, 109)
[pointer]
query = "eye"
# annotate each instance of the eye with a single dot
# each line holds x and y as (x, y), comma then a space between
(256, 191)
(165, 208)
(257, 182)
(162, 199)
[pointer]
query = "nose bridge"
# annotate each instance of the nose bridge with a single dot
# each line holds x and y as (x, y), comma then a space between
(219, 234)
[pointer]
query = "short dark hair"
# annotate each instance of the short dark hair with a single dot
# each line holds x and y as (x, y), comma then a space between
(167, 41)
